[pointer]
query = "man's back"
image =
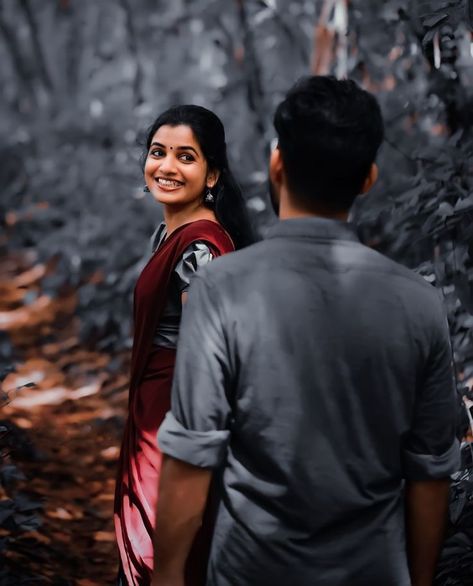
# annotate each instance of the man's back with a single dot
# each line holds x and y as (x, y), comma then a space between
(334, 361)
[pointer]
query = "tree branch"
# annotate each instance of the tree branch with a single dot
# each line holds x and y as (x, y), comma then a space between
(38, 49)
(255, 91)
(133, 47)
(19, 64)
(330, 42)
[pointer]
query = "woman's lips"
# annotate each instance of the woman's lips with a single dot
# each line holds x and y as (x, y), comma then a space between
(168, 184)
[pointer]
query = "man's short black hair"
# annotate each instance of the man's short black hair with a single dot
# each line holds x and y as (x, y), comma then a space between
(329, 132)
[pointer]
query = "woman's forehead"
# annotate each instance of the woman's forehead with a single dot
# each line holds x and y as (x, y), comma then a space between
(176, 136)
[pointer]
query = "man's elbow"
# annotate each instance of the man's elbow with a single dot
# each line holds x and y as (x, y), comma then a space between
(181, 481)
(437, 487)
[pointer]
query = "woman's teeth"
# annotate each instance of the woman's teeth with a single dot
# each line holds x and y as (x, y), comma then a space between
(168, 182)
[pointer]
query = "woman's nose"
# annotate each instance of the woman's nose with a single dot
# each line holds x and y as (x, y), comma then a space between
(167, 164)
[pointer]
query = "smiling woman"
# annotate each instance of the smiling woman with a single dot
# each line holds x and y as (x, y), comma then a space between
(177, 174)
(186, 170)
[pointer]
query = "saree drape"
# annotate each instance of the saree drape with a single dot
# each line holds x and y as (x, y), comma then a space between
(151, 373)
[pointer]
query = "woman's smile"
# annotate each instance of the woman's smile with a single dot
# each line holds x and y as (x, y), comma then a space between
(168, 184)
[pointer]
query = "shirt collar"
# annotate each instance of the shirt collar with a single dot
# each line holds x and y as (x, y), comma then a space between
(313, 227)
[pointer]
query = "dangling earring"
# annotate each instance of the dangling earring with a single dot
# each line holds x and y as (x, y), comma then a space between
(209, 198)
(146, 189)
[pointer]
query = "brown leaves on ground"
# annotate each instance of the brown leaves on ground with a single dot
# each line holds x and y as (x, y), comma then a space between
(72, 406)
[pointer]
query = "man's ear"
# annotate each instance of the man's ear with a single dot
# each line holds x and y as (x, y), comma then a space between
(276, 168)
(371, 178)
(212, 178)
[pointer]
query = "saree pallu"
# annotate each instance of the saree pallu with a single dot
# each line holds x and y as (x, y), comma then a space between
(152, 370)
(140, 475)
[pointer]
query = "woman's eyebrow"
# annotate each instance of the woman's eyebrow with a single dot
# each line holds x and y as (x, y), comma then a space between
(187, 148)
(179, 148)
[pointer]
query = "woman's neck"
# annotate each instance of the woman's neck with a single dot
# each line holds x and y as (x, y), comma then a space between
(175, 218)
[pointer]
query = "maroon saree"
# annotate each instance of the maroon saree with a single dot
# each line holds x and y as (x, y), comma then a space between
(149, 400)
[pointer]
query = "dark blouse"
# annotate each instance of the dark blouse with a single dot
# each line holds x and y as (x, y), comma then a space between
(197, 255)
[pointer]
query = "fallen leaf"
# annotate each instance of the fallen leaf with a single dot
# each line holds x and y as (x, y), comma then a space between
(104, 536)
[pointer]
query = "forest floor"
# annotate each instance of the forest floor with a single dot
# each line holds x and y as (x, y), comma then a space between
(64, 408)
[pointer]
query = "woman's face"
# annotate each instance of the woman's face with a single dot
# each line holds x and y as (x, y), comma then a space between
(176, 171)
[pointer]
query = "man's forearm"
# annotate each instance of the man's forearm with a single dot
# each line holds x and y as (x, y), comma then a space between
(182, 499)
(426, 518)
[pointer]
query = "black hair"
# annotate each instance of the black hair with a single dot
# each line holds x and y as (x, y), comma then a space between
(329, 133)
(229, 204)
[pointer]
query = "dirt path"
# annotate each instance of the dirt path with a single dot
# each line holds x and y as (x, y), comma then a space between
(72, 410)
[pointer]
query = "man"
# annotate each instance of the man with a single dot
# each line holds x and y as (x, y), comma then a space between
(316, 375)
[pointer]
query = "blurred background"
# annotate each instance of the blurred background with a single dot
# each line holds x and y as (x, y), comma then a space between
(81, 82)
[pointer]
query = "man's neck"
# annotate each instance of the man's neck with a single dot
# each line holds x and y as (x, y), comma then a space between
(288, 210)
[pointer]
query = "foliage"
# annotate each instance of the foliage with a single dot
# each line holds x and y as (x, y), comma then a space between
(19, 510)
(421, 214)
(455, 564)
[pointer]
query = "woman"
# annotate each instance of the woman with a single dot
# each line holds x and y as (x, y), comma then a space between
(186, 170)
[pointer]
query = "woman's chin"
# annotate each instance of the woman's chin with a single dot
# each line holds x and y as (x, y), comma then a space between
(171, 201)
(166, 198)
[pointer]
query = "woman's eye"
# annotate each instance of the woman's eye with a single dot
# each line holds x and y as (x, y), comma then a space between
(187, 158)
(156, 152)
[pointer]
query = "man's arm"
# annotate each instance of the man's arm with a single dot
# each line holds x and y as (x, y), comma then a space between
(182, 498)
(195, 433)
(430, 455)
(426, 518)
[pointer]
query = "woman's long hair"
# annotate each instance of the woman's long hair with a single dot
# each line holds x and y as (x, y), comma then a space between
(229, 205)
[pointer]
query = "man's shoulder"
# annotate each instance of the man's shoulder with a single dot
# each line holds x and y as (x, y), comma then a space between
(236, 264)
(391, 271)
(363, 257)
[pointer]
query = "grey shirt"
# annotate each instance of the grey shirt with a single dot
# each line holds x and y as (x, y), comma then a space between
(317, 374)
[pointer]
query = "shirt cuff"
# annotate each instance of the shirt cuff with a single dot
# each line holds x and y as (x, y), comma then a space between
(430, 466)
(205, 449)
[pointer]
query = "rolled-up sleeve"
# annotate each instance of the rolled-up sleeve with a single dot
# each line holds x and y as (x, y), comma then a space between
(200, 448)
(197, 429)
(431, 450)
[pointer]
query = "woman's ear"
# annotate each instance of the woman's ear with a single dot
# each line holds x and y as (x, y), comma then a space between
(371, 178)
(212, 178)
